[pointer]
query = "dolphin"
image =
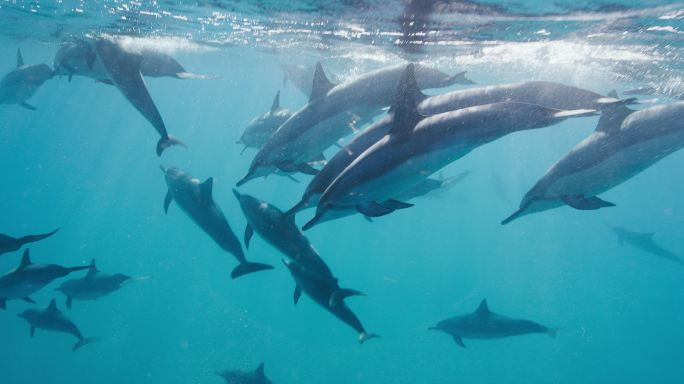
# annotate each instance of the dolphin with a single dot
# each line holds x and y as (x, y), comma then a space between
(11, 244)
(545, 93)
(29, 278)
(196, 200)
(417, 146)
(123, 69)
(624, 144)
(23, 82)
(279, 230)
(93, 286)
(261, 128)
(242, 377)
(325, 291)
(484, 324)
(52, 319)
(301, 138)
(645, 242)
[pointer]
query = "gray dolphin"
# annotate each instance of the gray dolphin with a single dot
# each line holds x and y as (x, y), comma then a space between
(484, 324)
(242, 377)
(92, 286)
(279, 230)
(301, 138)
(11, 244)
(52, 319)
(23, 82)
(623, 145)
(123, 69)
(261, 128)
(325, 290)
(196, 200)
(418, 146)
(29, 278)
(644, 242)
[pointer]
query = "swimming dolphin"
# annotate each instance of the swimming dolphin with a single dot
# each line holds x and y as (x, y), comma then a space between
(301, 138)
(242, 377)
(644, 242)
(626, 144)
(123, 69)
(325, 291)
(484, 324)
(261, 128)
(92, 286)
(418, 146)
(196, 200)
(279, 230)
(29, 278)
(20, 84)
(52, 319)
(11, 244)
(545, 93)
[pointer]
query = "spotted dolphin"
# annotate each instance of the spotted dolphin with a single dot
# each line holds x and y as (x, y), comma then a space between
(29, 278)
(485, 324)
(52, 319)
(301, 138)
(619, 149)
(645, 242)
(261, 128)
(92, 286)
(23, 82)
(11, 244)
(241, 377)
(196, 200)
(417, 146)
(326, 291)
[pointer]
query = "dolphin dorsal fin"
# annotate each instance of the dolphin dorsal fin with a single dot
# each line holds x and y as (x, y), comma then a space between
(613, 93)
(405, 105)
(483, 309)
(20, 59)
(52, 308)
(206, 189)
(260, 371)
(276, 103)
(93, 269)
(25, 260)
(320, 84)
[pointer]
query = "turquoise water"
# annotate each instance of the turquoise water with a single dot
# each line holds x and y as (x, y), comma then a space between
(84, 161)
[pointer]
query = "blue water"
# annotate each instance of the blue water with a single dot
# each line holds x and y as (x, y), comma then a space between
(84, 161)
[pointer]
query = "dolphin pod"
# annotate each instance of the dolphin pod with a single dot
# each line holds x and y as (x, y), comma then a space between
(645, 242)
(23, 82)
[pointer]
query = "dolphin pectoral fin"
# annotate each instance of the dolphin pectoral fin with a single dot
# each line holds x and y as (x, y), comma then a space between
(459, 341)
(28, 300)
(71, 75)
(586, 203)
(83, 342)
(337, 297)
(293, 178)
(396, 204)
(69, 301)
(373, 209)
(368, 218)
(249, 232)
(3, 303)
(167, 201)
(168, 141)
(307, 169)
(27, 106)
(246, 268)
(297, 293)
(32, 331)
(101, 81)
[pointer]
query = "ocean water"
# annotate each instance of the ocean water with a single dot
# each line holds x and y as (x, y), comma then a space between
(84, 162)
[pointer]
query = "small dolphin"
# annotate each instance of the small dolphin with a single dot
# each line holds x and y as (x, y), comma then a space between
(29, 278)
(325, 291)
(484, 324)
(301, 138)
(624, 144)
(92, 286)
(23, 82)
(52, 319)
(196, 200)
(242, 377)
(417, 146)
(645, 242)
(11, 244)
(261, 128)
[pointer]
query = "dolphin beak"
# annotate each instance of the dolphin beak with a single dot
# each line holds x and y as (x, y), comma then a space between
(315, 220)
(249, 176)
(237, 194)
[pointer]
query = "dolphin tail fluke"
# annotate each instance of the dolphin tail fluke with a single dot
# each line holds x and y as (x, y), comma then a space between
(83, 342)
(460, 78)
(246, 268)
(166, 142)
(34, 238)
(3, 303)
(552, 332)
(363, 337)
